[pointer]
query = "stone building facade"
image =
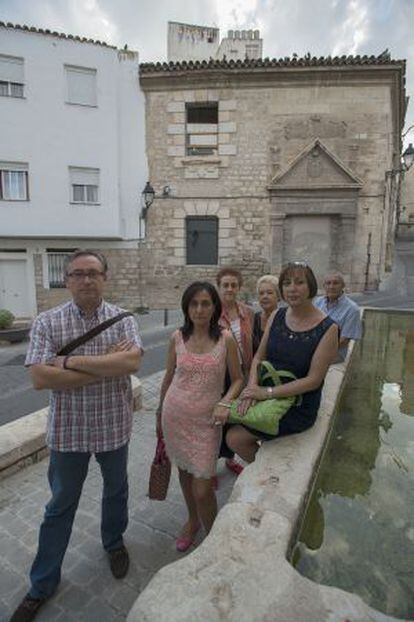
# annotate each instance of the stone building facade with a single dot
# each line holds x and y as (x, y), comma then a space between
(406, 205)
(276, 160)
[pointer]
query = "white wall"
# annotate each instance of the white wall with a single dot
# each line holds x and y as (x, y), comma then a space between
(241, 43)
(51, 135)
(188, 42)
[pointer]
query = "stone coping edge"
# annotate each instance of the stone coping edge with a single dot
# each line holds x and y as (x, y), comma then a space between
(240, 572)
(22, 442)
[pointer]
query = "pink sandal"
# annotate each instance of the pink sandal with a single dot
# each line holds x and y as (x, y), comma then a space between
(234, 466)
(183, 543)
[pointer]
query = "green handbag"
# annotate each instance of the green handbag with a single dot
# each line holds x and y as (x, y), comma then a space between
(265, 415)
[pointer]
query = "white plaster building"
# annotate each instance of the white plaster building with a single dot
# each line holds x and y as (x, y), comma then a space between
(72, 158)
(187, 42)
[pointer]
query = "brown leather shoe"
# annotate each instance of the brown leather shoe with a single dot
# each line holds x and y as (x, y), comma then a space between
(27, 610)
(119, 562)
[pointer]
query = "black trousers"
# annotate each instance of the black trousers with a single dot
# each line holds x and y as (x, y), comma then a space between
(225, 451)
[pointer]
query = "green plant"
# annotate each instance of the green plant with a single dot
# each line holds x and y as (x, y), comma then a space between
(6, 319)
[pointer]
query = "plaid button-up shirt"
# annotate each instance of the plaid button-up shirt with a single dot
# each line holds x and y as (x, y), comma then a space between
(97, 417)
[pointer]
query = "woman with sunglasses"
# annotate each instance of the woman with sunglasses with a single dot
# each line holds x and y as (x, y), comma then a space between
(298, 338)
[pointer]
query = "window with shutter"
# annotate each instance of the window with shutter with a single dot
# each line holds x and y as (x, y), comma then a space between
(14, 181)
(84, 185)
(11, 76)
(81, 85)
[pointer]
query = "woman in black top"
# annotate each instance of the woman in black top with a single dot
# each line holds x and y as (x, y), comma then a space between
(298, 338)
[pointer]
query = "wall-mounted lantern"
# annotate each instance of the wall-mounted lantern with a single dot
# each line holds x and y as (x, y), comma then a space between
(147, 197)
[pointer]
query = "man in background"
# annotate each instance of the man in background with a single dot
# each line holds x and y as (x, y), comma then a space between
(344, 311)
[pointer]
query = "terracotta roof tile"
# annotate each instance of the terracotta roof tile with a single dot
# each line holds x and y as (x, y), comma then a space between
(53, 33)
(306, 61)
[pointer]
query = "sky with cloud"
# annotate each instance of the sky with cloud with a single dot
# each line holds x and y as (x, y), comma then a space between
(321, 27)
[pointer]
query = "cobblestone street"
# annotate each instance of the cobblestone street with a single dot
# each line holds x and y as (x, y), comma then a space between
(88, 591)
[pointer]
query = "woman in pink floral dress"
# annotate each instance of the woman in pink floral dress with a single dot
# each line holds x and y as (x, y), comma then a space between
(191, 409)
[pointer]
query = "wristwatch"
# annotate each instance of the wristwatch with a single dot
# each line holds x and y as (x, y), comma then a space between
(269, 391)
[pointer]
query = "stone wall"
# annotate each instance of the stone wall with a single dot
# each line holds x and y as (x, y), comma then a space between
(46, 298)
(263, 127)
(127, 281)
(406, 215)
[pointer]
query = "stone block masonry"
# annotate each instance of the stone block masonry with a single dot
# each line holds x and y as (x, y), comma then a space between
(298, 172)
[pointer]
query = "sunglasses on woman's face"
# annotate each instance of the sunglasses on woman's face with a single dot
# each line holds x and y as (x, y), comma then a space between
(296, 264)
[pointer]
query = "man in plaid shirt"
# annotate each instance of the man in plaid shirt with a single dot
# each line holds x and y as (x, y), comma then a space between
(90, 413)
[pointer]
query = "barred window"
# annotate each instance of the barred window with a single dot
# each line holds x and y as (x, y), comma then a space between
(56, 266)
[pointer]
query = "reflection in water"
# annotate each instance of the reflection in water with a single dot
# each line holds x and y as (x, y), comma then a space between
(358, 532)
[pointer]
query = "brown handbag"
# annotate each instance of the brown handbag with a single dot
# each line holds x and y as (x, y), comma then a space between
(160, 473)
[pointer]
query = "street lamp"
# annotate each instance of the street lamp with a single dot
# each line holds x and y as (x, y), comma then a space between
(396, 175)
(147, 195)
(406, 161)
(147, 198)
(408, 157)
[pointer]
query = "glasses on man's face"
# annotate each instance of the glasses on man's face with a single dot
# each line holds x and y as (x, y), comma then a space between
(79, 275)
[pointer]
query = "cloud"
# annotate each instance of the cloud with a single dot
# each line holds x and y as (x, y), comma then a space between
(238, 14)
(321, 27)
(352, 34)
(91, 19)
(80, 17)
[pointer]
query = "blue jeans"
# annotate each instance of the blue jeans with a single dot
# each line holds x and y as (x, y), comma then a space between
(67, 472)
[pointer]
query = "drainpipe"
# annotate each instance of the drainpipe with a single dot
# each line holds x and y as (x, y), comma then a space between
(368, 264)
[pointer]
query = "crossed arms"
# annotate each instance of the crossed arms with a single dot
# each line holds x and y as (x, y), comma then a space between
(83, 370)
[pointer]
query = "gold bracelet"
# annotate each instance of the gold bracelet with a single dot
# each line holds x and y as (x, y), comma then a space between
(224, 404)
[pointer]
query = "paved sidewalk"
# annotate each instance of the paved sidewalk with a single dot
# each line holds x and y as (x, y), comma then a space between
(88, 592)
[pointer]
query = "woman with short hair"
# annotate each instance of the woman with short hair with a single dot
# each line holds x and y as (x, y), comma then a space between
(236, 317)
(299, 339)
(268, 297)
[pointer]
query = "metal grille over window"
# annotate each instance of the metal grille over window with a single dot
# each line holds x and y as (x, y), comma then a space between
(202, 240)
(11, 76)
(201, 128)
(13, 181)
(56, 268)
(84, 184)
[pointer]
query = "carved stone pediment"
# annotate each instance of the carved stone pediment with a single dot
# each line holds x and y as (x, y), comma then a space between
(315, 168)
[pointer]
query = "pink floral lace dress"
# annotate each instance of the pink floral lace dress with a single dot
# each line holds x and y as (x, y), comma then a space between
(192, 440)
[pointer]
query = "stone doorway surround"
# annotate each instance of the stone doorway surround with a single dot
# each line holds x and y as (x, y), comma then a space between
(315, 184)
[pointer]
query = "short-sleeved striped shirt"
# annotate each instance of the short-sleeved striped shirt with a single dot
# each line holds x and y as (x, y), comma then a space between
(97, 417)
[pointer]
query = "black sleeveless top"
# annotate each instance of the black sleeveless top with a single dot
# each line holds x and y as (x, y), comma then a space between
(257, 331)
(293, 351)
